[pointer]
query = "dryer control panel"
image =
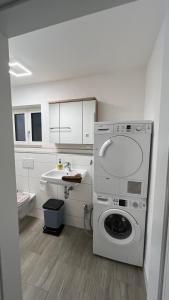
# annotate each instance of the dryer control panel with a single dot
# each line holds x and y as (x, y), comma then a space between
(120, 128)
(132, 128)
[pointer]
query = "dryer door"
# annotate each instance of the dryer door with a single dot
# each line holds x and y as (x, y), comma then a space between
(119, 227)
(120, 156)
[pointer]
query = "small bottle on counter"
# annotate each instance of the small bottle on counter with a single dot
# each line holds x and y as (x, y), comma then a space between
(60, 165)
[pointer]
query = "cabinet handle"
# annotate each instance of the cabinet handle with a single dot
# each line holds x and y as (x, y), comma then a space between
(61, 129)
(65, 127)
(54, 129)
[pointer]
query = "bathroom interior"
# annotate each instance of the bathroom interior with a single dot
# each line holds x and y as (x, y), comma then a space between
(67, 79)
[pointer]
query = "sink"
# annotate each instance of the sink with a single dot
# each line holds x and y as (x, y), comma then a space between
(55, 176)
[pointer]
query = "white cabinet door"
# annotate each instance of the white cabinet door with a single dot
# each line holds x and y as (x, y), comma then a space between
(71, 123)
(54, 122)
(89, 113)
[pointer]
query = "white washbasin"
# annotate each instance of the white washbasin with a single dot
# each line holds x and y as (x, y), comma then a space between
(55, 176)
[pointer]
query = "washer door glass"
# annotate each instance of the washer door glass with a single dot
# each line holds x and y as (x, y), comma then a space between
(120, 156)
(118, 226)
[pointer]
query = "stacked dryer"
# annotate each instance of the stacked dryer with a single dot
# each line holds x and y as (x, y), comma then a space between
(121, 169)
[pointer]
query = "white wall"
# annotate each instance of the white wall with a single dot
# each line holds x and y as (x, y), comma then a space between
(152, 112)
(9, 243)
(121, 95)
(157, 108)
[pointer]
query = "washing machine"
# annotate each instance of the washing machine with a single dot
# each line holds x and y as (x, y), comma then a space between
(121, 158)
(119, 228)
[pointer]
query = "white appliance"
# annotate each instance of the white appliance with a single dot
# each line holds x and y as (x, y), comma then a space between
(121, 158)
(121, 169)
(119, 228)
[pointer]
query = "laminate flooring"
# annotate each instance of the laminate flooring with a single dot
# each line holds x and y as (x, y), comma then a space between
(64, 268)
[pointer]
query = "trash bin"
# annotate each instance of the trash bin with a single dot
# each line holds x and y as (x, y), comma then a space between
(53, 216)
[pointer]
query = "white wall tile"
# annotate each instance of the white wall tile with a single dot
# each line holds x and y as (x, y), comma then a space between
(20, 171)
(76, 159)
(45, 157)
(22, 183)
(73, 221)
(82, 193)
(52, 190)
(21, 155)
(40, 168)
(83, 160)
(41, 196)
(37, 213)
(88, 177)
(74, 208)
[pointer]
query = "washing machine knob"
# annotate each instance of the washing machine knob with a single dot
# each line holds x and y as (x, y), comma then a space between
(135, 204)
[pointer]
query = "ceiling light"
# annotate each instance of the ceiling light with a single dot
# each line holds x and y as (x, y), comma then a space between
(18, 70)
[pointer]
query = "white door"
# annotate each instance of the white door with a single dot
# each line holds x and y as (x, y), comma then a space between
(54, 122)
(120, 156)
(10, 283)
(71, 123)
(89, 113)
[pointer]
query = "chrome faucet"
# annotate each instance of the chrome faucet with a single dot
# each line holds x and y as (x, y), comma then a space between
(67, 167)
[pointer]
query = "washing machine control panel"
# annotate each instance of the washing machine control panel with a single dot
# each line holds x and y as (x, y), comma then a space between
(120, 202)
(114, 201)
(132, 203)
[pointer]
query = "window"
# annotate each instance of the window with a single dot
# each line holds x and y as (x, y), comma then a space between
(20, 127)
(36, 127)
(27, 126)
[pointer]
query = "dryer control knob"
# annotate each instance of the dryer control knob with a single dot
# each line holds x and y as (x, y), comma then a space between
(139, 128)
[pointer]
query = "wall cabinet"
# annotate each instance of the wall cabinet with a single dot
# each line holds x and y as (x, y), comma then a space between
(54, 123)
(89, 117)
(72, 122)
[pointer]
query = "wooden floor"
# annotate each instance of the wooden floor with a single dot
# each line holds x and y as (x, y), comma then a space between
(64, 268)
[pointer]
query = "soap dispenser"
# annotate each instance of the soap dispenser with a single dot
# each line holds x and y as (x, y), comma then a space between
(60, 165)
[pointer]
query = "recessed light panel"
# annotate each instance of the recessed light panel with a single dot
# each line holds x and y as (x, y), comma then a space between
(18, 70)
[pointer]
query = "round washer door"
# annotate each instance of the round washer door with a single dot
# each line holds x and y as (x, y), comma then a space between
(119, 227)
(121, 156)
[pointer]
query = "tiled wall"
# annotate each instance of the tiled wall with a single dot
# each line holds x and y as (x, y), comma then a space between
(29, 180)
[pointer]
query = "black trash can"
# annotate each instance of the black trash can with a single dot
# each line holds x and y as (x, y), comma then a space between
(53, 216)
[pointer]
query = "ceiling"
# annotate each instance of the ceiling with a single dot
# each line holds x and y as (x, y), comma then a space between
(4, 4)
(118, 38)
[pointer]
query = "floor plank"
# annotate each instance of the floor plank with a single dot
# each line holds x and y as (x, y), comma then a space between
(32, 293)
(64, 268)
